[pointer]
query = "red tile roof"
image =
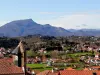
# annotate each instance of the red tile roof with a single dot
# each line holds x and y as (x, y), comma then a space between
(7, 67)
(47, 72)
(76, 72)
(69, 72)
(95, 67)
(85, 69)
(36, 71)
(70, 68)
(44, 72)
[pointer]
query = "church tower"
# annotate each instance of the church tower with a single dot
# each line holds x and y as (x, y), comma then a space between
(19, 55)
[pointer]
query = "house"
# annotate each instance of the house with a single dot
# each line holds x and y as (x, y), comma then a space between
(44, 59)
(79, 72)
(70, 71)
(44, 72)
(8, 68)
(70, 68)
(47, 72)
(95, 68)
(97, 56)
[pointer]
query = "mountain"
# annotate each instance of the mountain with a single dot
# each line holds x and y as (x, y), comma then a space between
(29, 27)
(85, 32)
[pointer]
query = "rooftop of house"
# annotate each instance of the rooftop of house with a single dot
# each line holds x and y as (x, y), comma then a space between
(85, 69)
(70, 68)
(95, 67)
(48, 72)
(7, 67)
(77, 72)
(44, 72)
(70, 71)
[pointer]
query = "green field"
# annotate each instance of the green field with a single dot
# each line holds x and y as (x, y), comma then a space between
(81, 53)
(75, 56)
(40, 67)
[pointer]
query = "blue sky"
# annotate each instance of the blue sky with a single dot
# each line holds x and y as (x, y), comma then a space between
(61, 13)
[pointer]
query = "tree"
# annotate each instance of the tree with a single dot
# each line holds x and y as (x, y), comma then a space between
(54, 54)
(31, 53)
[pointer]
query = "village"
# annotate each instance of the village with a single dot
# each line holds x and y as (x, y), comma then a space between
(50, 37)
(50, 56)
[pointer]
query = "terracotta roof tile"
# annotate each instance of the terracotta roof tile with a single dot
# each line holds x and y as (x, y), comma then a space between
(70, 68)
(96, 67)
(36, 71)
(85, 69)
(77, 72)
(7, 67)
(44, 72)
(70, 72)
(47, 72)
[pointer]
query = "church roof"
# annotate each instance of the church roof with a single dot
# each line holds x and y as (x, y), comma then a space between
(15, 51)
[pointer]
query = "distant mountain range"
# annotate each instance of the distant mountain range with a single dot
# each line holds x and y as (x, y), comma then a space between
(29, 27)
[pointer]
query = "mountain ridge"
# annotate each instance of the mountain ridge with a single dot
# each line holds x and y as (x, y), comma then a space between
(29, 27)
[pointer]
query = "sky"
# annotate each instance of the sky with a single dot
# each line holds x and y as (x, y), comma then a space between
(69, 14)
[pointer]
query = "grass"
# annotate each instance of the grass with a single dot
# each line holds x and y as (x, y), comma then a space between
(79, 68)
(36, 65)
(40, 67)
(80, 53)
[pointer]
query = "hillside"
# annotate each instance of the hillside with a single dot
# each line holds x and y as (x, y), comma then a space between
(29, 27)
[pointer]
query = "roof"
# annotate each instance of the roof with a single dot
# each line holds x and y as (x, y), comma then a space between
(77, 72)
(15, 51)
(47, 72)
(7, 67)
(69, 72)
(36, 71)
(70, 68)
(44, 72)
(85, 69)
(18, 48)
(95, 67)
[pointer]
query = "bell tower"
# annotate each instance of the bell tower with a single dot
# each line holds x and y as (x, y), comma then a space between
(18, 55)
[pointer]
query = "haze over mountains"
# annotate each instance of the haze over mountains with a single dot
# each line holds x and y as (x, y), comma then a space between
(29, 27)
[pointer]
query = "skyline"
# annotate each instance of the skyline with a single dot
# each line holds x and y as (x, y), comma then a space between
(73, 14)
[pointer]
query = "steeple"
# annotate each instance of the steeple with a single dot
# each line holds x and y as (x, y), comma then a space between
(18, 53)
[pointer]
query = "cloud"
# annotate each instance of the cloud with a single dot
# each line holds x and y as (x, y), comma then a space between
(76, 21)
